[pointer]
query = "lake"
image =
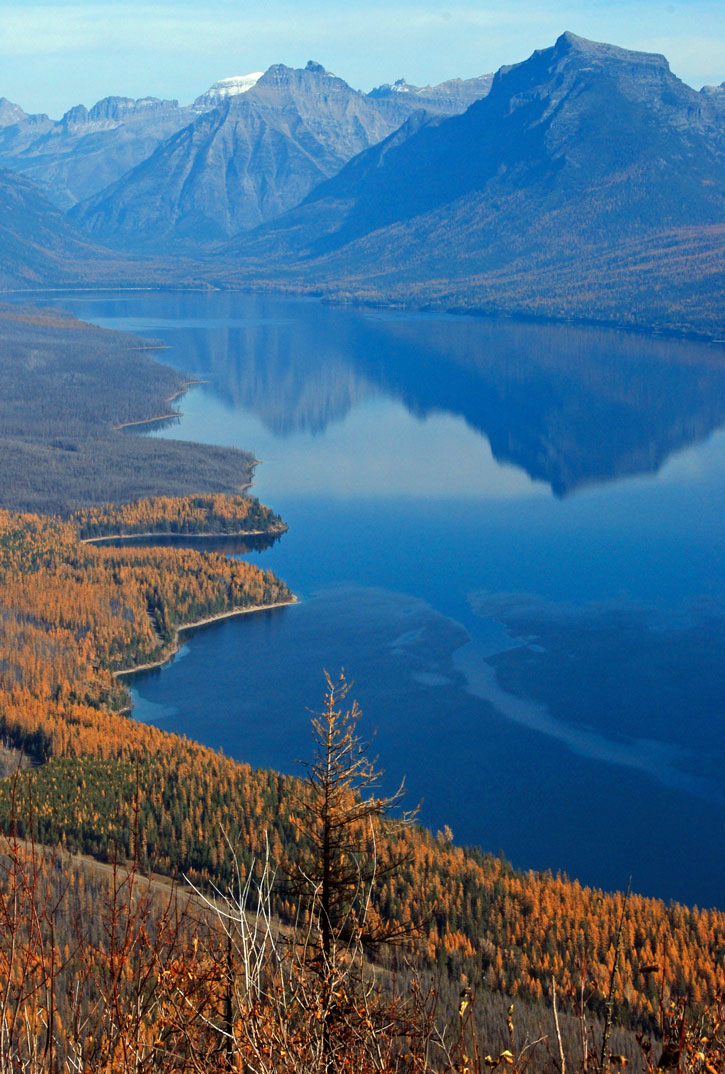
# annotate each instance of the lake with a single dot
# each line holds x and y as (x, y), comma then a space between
(511, 538)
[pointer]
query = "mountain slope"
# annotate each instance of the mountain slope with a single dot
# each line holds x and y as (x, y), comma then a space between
(587, 174)
(38, 246)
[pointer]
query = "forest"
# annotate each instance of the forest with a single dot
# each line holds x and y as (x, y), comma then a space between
(211, 515)
(114, 972)
(69, 388)
(101, 784)
(646, 282)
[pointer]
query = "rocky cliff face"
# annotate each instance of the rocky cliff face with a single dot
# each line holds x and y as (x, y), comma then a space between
(714, 98)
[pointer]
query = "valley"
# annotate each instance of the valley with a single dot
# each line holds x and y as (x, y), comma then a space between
(548, 191)
(466, 339)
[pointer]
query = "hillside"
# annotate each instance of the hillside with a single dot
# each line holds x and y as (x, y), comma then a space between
(589, 182)
(39, 247)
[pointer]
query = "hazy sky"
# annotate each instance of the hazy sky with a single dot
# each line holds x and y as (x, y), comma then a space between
(56, 53)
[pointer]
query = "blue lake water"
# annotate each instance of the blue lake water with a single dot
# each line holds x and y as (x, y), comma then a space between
(510, 536)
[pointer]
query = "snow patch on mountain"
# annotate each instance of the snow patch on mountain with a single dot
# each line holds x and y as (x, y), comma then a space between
(227, 87)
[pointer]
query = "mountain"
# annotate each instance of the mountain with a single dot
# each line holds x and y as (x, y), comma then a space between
(267, 143)
(10, 113)
(589, 182)
(448, 98)
(255, 155)
(39, 247)
(87, 149)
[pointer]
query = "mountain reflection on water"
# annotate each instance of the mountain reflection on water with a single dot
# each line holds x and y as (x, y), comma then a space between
(571, 406)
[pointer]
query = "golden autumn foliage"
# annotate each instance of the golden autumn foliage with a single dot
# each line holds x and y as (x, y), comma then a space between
(107, 972)
(74, 613)
(210, 514)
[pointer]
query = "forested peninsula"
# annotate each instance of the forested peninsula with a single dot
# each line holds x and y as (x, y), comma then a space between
(68, 388)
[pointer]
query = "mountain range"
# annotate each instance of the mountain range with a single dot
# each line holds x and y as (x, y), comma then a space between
(87, 149)
(586, 182)
(577, 160)
(250, 158)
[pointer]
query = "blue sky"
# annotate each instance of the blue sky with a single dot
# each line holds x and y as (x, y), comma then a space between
(56, 53)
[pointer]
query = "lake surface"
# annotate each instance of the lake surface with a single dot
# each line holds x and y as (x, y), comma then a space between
(510, 536)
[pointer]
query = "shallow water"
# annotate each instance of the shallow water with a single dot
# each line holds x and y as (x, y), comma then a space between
(511, 538)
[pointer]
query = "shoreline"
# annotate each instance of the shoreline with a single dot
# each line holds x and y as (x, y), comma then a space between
(700, 333)
(295, 289)
(215, 535)
(148, 421)
(232, 612)
(162, 417)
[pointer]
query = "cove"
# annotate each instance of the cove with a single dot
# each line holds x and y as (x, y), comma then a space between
(509, 535)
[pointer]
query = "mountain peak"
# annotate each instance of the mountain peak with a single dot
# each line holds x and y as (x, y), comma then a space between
(569, 42)
(387, 88)
(313, 65)
(77, 114)
(10, 112)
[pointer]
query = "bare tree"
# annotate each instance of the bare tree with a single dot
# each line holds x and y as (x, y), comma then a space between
(340, 821)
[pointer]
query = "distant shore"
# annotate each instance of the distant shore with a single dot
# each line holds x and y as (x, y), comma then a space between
(199, 623)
